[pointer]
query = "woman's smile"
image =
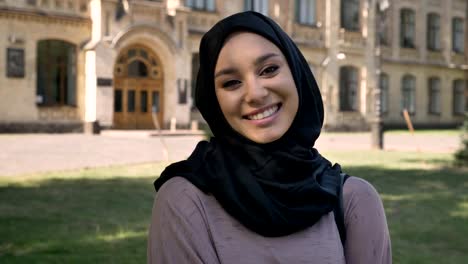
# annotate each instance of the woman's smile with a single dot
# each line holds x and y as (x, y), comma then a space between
(265, 116)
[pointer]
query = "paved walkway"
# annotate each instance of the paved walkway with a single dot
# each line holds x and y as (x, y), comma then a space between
(29, 153)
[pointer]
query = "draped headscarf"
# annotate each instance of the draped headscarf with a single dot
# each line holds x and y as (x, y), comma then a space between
(273, 189)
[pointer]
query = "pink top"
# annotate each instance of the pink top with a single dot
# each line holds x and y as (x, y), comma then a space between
(188, 226)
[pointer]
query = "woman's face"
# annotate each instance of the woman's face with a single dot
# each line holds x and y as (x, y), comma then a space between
(255, 87)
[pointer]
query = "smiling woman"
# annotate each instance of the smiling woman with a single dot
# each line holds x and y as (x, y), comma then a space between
(255, 88)
(258, 191)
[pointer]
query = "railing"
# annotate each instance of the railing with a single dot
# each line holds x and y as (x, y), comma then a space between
(351, 39)
(435, 57)
(68, 7)
(200, 21)
(409, 54)
(308, 35)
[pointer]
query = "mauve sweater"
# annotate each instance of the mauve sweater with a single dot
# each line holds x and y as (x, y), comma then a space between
(189, 226)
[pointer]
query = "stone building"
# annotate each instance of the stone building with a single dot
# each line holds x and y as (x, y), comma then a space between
(69, 65)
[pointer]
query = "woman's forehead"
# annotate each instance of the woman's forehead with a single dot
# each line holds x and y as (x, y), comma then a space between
(247, 38)
(246, 46)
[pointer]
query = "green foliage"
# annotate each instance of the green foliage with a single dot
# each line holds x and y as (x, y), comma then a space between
(206, 131)
(461, 156)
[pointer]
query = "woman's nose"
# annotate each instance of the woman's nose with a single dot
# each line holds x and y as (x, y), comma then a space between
(255, 91)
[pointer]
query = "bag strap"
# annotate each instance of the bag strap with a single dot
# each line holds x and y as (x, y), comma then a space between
(338, 211)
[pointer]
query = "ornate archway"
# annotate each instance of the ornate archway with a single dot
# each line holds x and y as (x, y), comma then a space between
(138, 88)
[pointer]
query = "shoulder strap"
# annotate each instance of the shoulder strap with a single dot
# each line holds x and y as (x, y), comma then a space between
(339, 210)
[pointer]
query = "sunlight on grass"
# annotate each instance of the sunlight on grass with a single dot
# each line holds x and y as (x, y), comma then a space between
(390, 159)
(121, 235)
(461, 211)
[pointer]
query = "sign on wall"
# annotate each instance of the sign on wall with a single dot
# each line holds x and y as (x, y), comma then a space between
(15, 62)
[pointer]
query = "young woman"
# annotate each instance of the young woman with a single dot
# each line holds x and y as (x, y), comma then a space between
(258, 192)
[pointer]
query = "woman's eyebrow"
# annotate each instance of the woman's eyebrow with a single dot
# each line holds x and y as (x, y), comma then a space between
(257, 61)
(264, 57)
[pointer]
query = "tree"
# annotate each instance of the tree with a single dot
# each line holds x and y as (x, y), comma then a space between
(461, 156)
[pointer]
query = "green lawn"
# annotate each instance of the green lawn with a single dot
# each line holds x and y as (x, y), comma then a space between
(101, 215)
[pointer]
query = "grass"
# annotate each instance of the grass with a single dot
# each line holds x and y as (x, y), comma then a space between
(101, 215)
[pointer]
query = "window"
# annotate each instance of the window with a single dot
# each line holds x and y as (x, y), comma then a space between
(348, 88)
(433, 32)
(383, 30)
(434, 96)
(56, 73)
(459, 97)
(131, 101)
(206, 5)
(305, 12)
(143, 101)
(260, 6)
(182, 90)
(384, 86)
(350, 15)
(155, 102)
(458, 35)
(195, 67)
(408, 93)
(407, 28)
(118, 100)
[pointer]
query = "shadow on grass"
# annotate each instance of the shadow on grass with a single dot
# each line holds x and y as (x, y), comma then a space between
(76, 221)
(439, 162)
(106, 220)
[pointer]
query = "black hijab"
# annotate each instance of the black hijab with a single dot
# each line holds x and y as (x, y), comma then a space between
(274, 189)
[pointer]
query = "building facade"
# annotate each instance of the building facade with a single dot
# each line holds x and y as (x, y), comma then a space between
(69, 65)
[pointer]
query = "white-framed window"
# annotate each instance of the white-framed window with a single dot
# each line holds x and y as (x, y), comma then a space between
(433, 31)
(384, 92)
(408, 93)
(459, 97)
(260, 6)
(458, 35)
(434, 96)
(206, 5)
(349, 81)
(407, 25)
(306, 12)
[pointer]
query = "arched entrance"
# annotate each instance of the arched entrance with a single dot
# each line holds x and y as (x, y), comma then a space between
(138, 88)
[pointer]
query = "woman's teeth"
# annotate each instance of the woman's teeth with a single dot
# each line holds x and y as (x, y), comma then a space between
(268, 112)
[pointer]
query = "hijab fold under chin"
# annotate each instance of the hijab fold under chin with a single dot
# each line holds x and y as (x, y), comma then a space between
(274, 189)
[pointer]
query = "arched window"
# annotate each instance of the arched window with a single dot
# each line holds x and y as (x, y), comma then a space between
(348, 88)
(350, 15)
(137, 69)
(408, 93)
(459, 97)
(434, 96)
(384, 87)
(407, 32)
(433, 31)
(56, 73)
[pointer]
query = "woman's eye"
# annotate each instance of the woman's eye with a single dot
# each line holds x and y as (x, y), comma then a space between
(269, 70)
(230, 83)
